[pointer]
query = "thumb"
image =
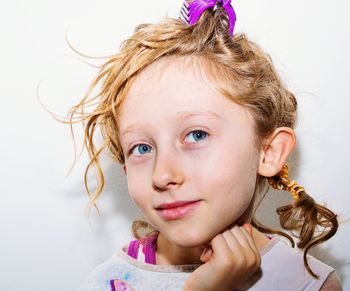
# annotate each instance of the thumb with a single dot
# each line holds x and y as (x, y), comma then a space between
(248, 228)
(206, 255)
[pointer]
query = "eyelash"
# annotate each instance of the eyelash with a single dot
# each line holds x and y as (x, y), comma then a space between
(196, 130)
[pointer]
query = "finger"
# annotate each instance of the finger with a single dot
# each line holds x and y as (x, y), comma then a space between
(248, 228)
(232, 241)
(253, 247)
(242, 254)
(206, 255)
(238, 232)
(221, 250)
(249, 249)
(250, 240)
(228, 252)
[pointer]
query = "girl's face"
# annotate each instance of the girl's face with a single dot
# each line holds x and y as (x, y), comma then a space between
(184, 141)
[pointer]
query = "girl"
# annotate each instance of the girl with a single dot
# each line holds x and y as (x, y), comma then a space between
(201, 123)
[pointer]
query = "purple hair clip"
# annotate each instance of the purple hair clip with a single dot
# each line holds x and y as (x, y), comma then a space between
(192, 10)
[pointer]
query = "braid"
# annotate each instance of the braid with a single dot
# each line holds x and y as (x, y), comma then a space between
(303, 216)
(281, 182)
(143, 225)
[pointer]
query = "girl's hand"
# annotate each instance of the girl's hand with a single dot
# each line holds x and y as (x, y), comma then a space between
(231, 260)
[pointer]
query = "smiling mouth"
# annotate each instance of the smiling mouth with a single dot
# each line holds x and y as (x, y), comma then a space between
(177, 209)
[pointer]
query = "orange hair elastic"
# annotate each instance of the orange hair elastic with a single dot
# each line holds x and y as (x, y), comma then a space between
(281, 182)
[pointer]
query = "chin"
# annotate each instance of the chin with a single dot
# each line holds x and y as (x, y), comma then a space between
(189, 239)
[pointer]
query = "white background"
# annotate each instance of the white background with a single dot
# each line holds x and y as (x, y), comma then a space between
(47, 241)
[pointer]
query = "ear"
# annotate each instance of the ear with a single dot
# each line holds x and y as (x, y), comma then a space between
(275, 151)
(124, 168)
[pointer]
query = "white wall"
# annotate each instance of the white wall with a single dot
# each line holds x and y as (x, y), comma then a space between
(47, 241)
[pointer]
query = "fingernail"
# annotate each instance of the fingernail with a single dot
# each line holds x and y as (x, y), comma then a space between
(248, 227)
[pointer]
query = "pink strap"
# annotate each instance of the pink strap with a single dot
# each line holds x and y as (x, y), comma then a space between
(133, 248)
(148, 247)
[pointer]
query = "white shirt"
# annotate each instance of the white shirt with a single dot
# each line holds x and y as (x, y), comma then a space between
(282, 268)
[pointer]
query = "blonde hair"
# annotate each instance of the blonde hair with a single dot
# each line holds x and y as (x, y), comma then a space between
(243, 72)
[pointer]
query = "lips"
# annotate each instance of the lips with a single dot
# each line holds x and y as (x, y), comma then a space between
(176, 210)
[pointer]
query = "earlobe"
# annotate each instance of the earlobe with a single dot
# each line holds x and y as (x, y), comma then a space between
(276, 151)
(124, 168)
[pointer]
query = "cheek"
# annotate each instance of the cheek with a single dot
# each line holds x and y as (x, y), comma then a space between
(235, 164)
(241, 175)
(137, 191)
(234, 175)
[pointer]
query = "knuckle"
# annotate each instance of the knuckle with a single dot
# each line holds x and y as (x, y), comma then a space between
(255, 262)
(227, 264)
(252, 262)
(241, 260)
(258, 260)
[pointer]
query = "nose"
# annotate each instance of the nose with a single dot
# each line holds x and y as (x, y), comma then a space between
(167, 172)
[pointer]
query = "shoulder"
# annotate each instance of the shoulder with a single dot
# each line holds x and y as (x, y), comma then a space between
(102, 276)
(332, 283)
(281, 264)
(123, 272)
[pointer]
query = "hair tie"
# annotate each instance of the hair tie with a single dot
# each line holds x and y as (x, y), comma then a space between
(281, 182)
(192, 10)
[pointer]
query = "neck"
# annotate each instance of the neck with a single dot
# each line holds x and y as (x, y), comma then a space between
(170, 254)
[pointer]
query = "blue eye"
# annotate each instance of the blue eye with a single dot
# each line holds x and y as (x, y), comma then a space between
(198, 134)
(143, 148)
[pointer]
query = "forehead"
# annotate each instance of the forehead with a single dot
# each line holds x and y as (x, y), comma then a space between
(168, 87)
(169, 80)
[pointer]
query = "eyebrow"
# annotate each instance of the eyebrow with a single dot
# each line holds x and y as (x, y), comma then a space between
(180, 115)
